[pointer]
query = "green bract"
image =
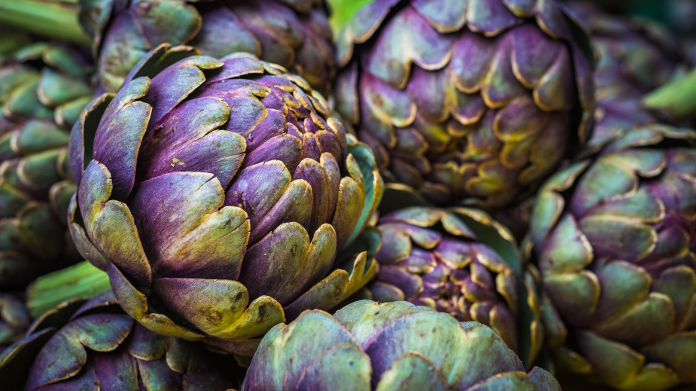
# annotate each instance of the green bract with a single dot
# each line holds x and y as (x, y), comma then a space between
(43, 89)
(217, 194)
(392, 346)
(615, 241)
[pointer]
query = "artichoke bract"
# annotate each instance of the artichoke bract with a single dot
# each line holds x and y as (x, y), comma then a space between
(294, 34)
(615, 242)
(93, 345)
(391, 346)
(636, 56)
(468, 102)
(217, 194)
(43, 89)
(14, 319)
(443, 259)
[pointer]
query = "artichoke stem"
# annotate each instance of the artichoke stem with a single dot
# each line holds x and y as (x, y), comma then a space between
(676, 99)
(50, 18)
(82, 280)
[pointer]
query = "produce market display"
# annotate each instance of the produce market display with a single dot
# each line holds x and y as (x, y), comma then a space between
(441, 195)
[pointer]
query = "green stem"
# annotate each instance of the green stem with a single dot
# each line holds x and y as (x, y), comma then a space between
(81, 280)
(51, 18)
(676, 100)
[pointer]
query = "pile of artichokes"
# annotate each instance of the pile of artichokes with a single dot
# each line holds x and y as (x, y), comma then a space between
(407, 195)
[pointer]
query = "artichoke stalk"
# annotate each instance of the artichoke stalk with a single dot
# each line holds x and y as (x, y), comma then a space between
(615, 241)
(391, 346)
(463, 263)
(55, 19)
(217, 194)
(468, 102)
(294, 34)
(43, 89)
(93, 345)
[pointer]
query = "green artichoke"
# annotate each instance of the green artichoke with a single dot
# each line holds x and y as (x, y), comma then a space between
(463, 263)
(43, 89)
(294, 34)
(14, 319)
(615, 241)
(93, 345)
(472, 102)
(217, 194)
(392, 346)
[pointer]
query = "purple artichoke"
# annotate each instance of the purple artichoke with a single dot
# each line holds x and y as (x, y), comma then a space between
(462, 263)
(635, 57)
(393, 346)
(43, 89)
(472, 102)
(93, 345)
(217, 194)
(615, 240)
(14, 319)
(294, 34)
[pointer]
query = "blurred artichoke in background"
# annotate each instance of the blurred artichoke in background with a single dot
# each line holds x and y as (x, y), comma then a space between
(93, 345)
(636, 56)
(217, 194)
(468, 102)
(43, 89)
(294, 34)
(14, 319)
(444, 260)
(392, 346)
(615, 240)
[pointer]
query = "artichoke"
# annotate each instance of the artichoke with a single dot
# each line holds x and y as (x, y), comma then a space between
(14, 319)
(472, 102)
(635, 57)
(444, 260)
(217, 193)
(294, 34)
(391, 346)
(43, 89)
(93, 345)
(615, 242)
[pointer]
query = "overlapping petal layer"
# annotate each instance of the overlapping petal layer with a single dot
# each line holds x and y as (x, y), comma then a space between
(390, 346)
(93, 345)
(463, 263)
(469, 102)
(614, 239)
(43, 89)
(217, 193)
(293, 34)
(635, 56)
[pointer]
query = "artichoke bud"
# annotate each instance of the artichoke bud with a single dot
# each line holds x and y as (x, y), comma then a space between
(388, 346)
(614, 241)
(467, 102)
(293, 34)
(43, 88)
(218, 195)
(92, 344)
